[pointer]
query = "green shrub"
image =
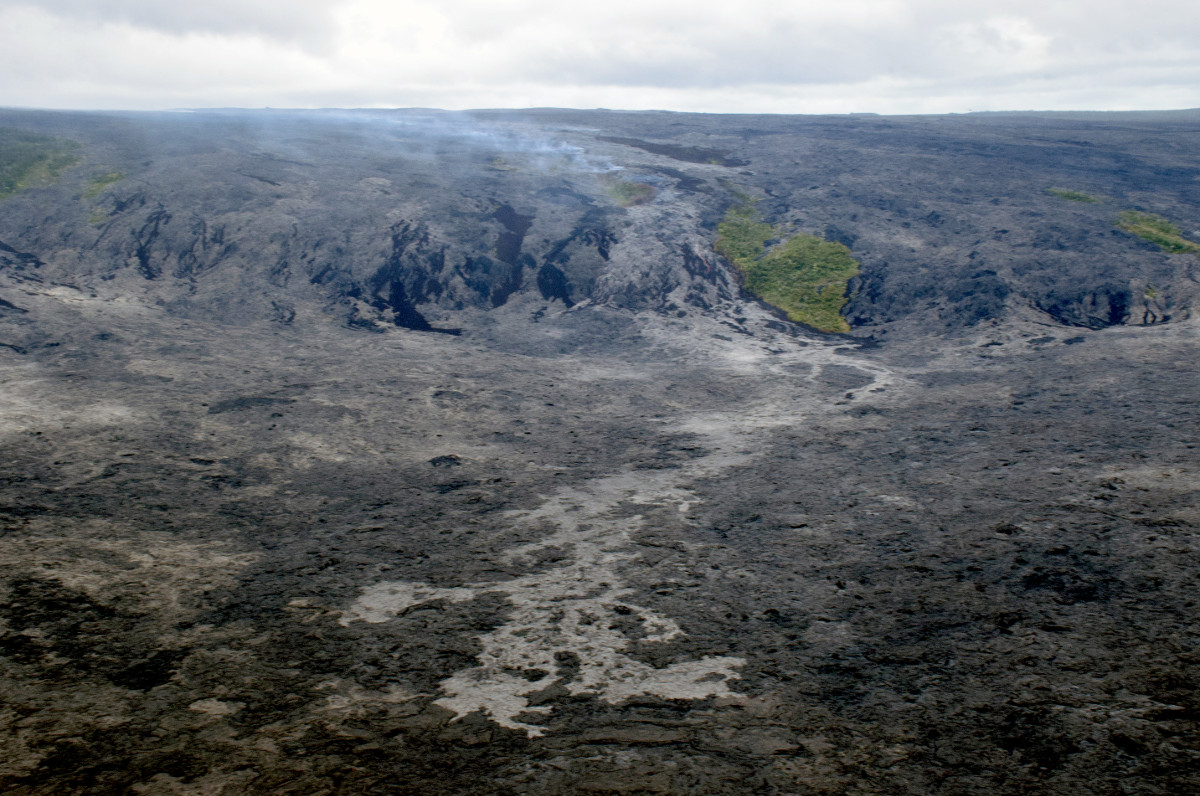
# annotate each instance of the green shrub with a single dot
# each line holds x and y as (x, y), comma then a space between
(806, 276)
(1074, 196)
(28, 159)
(741, 237)
(1157, 230)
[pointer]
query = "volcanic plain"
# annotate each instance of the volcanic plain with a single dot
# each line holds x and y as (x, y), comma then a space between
(415, 452)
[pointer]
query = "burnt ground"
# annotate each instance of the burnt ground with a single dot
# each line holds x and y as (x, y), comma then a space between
(260, 537)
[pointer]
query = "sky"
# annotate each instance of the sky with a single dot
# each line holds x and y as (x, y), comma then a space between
(752, 56)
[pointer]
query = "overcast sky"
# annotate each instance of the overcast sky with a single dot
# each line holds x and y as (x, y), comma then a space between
(804, 56)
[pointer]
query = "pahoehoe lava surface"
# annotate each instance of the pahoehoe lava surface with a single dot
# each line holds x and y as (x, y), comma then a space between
(620, 527)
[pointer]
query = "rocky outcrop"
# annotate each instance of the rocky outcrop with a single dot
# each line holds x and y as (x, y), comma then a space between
(408, 218)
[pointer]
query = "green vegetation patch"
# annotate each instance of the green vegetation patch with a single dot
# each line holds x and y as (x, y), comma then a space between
(98, 184)
(628, 194)
(28, 159)
(742, 237)
(806, 276)
(1157, 230)
(1074, 196)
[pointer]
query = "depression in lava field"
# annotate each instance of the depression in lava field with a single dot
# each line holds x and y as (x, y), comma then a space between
(589, 452)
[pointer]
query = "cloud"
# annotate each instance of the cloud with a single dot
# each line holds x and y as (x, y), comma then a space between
(46, 61)
(866, 55)
(297, 21)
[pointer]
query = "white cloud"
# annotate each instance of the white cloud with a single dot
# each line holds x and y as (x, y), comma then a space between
(300, 21)
(860, 55)
(57, 63)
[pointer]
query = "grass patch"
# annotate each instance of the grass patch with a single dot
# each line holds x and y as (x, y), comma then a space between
(628, 194)
(1157, 230)
(98, 184)
(806, 276)
(1074, 196)
(28, 160)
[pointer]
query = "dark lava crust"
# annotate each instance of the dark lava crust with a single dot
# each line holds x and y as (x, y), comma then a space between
(627, 531)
